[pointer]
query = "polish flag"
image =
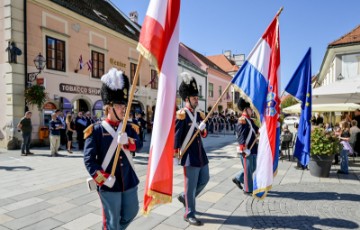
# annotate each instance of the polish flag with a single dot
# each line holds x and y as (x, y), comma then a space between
(159, 42)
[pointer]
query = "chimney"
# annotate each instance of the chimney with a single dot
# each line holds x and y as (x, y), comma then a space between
(134, 16)
(227, 54)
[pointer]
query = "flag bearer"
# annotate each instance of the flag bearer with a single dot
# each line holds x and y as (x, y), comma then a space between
(118, 194)
(246, 136)
(194, 159)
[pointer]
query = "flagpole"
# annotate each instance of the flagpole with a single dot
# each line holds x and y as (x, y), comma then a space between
(206, 118)
(127, 113)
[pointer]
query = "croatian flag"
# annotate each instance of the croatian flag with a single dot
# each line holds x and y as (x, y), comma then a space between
(89, 65)
(258, 80)
(159, 42)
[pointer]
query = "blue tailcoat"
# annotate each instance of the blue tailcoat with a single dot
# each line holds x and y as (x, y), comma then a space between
(96, 147)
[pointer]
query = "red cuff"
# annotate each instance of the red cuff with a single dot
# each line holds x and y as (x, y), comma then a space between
(204, 133)
(242, 147)
(130, 146)
(100, 177)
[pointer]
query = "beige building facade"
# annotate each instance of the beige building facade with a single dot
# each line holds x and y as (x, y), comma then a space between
(65, 34)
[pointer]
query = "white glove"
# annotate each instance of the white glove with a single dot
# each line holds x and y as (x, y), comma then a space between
(110, 181)
(202, 126)
(247, 152)
(123, 139)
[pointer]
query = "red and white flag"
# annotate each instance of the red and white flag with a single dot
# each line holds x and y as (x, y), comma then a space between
(159, 42)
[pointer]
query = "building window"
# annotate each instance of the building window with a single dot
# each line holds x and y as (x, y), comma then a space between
(211, 90)
(132, 74)
(220, 90)
(98, 64)
(200, 91)
(154, 79)
(55, 54)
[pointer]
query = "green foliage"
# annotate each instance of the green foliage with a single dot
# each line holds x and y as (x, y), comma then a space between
(324, 143)
(36, 95)
(288, 101)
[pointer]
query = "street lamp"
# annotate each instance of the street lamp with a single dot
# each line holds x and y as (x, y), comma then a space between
(39, 62)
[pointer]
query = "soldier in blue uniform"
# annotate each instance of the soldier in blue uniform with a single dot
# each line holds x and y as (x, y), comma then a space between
(118, 193)
(246, 135)
(194, 159)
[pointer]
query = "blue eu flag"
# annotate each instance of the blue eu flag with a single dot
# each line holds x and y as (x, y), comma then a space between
(299, 86)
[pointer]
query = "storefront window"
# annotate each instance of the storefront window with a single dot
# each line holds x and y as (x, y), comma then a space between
(66, 106)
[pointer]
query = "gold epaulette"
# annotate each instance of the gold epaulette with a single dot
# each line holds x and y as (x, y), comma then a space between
(202, 115)
(88, 131)
(135, 127)
(180, 114)
(242, 120)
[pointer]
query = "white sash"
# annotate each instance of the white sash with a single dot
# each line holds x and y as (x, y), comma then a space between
(191, 130)
(111, 151)
(251, 131)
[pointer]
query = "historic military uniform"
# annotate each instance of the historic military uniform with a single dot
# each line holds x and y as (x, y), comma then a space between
(246, 136)
(194, 159)
(119, 198)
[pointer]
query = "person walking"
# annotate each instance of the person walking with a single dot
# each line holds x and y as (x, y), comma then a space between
(194, 160)
(55, 126)
(70, 129)
(246, 136)
(80, 126)
(61, 118)
(118, 193)
(25, 127)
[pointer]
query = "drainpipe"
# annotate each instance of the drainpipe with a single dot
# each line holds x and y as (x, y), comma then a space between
(25, 49)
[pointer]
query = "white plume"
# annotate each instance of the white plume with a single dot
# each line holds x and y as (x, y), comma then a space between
(113, 79)
(186, 77)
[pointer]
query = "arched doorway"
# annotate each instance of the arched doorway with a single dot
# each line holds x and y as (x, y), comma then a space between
(81, 105)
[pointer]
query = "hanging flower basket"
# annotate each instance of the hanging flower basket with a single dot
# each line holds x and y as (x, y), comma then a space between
(36, 95)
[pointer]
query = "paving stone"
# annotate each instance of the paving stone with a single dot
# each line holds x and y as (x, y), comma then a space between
(44, 225)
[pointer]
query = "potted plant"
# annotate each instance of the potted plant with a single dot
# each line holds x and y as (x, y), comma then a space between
(324, 145)
(35, 95)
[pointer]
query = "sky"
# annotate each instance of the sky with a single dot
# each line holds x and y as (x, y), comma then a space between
(213, 26)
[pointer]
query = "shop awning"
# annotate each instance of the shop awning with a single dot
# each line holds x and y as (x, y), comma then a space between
(339, 107)
(343, 91)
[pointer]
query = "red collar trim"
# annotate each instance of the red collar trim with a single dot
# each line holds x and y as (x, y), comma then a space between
(245, 115)
(190, 109)
(112, 123)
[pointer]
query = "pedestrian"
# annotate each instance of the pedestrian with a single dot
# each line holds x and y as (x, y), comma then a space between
(25, 127)
(80, 126)
(286, 139)
(194, 160)
(346, 148)
(60, 116)
(55, 126)
(118, 194)
(70, 129)
(246, 136)
(89, 119)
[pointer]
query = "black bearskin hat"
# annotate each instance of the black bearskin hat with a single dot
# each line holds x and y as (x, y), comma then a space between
(242, 104)
(188, 86)
(115, 87)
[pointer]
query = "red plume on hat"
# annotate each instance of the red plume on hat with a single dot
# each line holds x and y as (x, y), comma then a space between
(115, 87)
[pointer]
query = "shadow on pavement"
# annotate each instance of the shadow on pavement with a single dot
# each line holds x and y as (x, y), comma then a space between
(15, 168)
(333, 196)
(287, 222)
